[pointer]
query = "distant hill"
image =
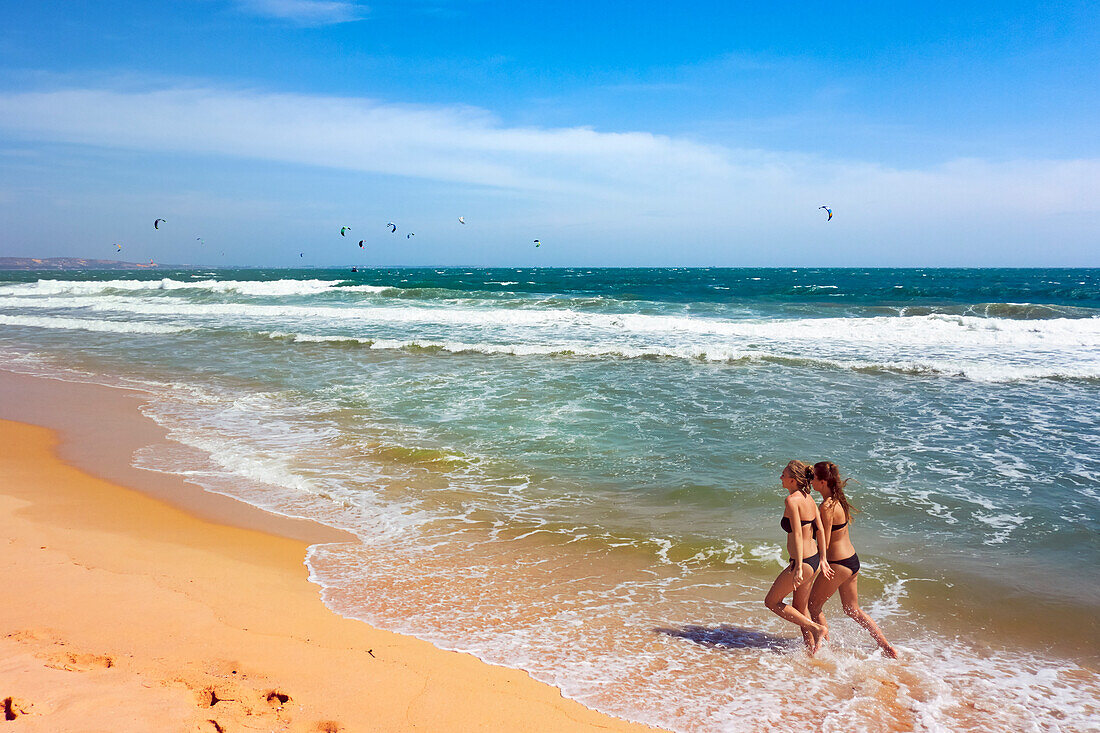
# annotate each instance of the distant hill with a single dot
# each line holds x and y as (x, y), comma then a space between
(76, 263)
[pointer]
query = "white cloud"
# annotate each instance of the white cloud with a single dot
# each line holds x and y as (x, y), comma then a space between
(457, 144)
(306, 12)
(635, 183)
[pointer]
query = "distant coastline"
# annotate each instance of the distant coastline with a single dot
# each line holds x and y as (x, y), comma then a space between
(77, 263)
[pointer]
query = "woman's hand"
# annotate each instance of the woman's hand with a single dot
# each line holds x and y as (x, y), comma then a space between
(798, 575)
(827, 569)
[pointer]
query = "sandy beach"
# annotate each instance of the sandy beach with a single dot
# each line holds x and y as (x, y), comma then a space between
(124, 613)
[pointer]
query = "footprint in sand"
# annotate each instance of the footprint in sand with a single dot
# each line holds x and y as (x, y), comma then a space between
(13, 708)
(27, 636)
(67, 661)
(277, 699)
(71, 662)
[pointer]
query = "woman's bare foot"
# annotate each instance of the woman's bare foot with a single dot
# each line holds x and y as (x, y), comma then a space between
(818, 632)
(889, 651)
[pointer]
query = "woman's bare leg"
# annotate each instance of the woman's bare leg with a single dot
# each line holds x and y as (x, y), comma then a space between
(822, 591)
(801, 603)
(782, 586)
(849, 598)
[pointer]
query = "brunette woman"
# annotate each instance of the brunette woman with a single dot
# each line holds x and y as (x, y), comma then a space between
(836, 516)
(802, 524)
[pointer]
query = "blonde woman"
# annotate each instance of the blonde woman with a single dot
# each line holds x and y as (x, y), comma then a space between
(802, 524)
(836, 516)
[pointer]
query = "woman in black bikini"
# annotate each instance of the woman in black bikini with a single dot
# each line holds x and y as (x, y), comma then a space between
(802, 524)
(836, 515)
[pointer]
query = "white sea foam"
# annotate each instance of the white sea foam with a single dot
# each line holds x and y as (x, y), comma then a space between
(81, 324)
(216, 446)
(244, 287)
(976, 348)
(928, 330)
(979, 348)
(977, 371)
(619, 649)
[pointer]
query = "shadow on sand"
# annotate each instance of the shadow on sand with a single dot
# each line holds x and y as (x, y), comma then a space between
(732, 637)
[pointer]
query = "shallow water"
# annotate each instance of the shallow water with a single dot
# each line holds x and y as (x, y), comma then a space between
(576, 471)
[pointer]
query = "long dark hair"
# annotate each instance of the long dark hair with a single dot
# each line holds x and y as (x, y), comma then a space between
(828, 472)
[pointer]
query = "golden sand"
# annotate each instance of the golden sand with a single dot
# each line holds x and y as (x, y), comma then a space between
(123, 613)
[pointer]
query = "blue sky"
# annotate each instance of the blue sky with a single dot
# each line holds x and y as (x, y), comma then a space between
(701, 133)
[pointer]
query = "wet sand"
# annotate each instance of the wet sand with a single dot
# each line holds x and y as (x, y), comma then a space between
(123, 612)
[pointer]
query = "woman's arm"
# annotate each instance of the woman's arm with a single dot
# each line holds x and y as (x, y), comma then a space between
(796, 524)
(826, 530)
(826, 534)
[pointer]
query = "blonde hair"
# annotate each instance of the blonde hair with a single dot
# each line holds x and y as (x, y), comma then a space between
(801, 473)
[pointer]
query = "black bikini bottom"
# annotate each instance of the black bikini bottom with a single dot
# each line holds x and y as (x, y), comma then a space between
(852, 563)
(813, 561)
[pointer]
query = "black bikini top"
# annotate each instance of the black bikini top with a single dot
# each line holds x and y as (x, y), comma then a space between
(785, 523)
(839, 526)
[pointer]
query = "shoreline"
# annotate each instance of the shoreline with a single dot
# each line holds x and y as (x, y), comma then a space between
(101, 435)
(133, 609)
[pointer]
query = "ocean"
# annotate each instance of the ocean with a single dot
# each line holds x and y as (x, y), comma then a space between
(576, 471)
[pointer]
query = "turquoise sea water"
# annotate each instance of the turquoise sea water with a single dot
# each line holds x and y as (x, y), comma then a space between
(575, 471)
